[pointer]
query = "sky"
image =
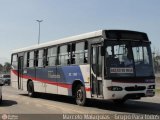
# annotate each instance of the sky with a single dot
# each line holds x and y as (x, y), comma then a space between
(63, 18)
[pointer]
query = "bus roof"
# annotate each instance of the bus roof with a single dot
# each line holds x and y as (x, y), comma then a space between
(110, 34)
(63, 40)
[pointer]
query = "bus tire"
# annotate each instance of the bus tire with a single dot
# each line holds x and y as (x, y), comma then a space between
(80, 95)
(30, 89)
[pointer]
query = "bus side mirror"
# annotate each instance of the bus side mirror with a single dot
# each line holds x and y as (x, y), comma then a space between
(102, 51)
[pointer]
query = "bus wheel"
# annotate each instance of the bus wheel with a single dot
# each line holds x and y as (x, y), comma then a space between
(30, 89)
(119, 101)
(80, 95)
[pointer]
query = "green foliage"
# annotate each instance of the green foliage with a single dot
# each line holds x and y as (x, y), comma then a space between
(5, 68)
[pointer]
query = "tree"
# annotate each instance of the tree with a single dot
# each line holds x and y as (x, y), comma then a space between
(7, 67)
(1, 68)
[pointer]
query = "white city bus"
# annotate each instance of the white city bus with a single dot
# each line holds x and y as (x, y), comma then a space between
(106, 64)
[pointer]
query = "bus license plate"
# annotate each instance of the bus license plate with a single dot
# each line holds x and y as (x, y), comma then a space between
(150, 93)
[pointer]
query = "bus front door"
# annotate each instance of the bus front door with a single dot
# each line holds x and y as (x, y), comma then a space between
(20, 72)
(96, 71)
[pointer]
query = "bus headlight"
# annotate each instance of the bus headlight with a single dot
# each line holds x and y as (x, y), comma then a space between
(151, 87)
(115, 88)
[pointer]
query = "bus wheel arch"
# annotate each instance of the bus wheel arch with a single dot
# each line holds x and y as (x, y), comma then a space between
(79, 93)
(30, 88)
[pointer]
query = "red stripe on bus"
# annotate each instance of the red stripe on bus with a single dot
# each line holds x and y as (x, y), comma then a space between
(88, 89)
(69, 86)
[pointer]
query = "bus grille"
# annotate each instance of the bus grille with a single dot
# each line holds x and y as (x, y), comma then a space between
(135, 88)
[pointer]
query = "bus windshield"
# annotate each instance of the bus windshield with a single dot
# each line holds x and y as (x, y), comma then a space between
(128, 59)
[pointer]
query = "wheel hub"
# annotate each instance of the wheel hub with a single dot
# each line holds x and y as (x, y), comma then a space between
(79, 94)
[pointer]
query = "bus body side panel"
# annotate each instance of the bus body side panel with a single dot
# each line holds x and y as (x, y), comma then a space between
(85, 69)
(39, 76)
(25, 84)
(51, 74)
(14, 78)
(106, 93)
(29, 74)
(48, 78)
(68, 74)
(60, 82)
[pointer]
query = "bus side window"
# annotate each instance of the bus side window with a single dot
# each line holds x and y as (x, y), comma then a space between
(14, 61)
(25, 60)
(79, 53)
(73, 53)
(36, 55)
(57, 60)
(45, 57)
(69, 54)
(63, 55)
(40, 58)
(52, 54)
(31, 59)
(86, 52)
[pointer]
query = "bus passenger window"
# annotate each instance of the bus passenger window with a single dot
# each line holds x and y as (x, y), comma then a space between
(86, 52)
(40, 58)
(63, 55)
(31, 59)
(45, 58)
(36, 54)
(25, 60)
(73, 54)
(52, 54)
(79, 53)
(69, 54)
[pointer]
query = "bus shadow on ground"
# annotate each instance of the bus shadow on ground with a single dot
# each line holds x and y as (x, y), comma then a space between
(130, 106)
(7, 103)
(53, 97)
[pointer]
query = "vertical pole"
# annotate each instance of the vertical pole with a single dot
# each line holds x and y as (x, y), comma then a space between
(39, 21)
(39, 33)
